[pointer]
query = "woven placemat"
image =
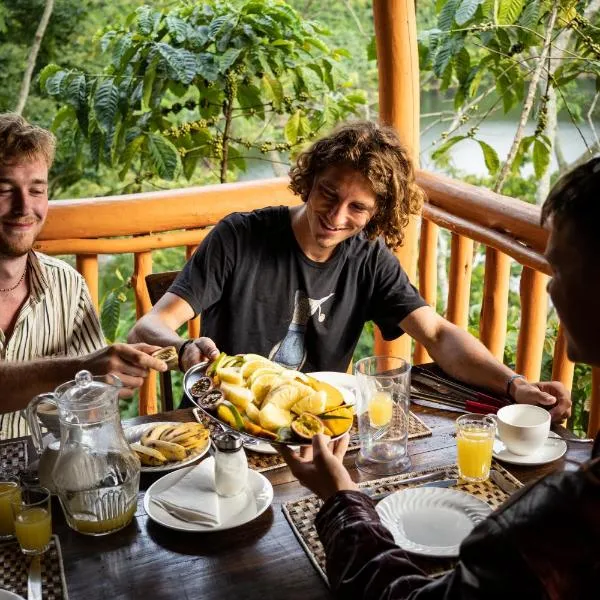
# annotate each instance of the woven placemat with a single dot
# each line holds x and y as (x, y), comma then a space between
(266, 462)
(13, 455)
(14, 567)
(301, 514)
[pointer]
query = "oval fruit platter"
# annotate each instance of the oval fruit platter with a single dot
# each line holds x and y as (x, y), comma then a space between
(267, 402)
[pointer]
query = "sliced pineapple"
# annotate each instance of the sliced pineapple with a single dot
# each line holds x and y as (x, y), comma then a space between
(240, 396)
(284, 396)
(253, 413)
(230, 375)
(313, 403)
(273, 417)
(262, 386)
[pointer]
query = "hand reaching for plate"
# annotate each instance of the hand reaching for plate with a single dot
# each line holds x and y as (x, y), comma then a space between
(319, 467)
(198, 350)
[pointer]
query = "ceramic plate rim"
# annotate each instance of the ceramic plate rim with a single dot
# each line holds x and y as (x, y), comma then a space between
(8, 595)
(197, 371)
(142, 427)
(530, 460)
(347, 390)
(477, 505)
(178, 525)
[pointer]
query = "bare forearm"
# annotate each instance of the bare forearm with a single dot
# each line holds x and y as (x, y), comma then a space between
(464, 357)
(21, 381)
(152, 330)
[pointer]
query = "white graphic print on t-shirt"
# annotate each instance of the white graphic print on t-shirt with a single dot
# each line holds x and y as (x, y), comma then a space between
(290, 351)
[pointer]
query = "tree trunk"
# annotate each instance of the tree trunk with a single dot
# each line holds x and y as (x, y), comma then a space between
(35, 48)
(442, 267)
(543, 185)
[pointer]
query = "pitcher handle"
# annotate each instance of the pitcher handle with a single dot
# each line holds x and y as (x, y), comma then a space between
(33, 421)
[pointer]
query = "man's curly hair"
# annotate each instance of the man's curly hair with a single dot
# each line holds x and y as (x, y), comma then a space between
(19, 139)
(377, 153)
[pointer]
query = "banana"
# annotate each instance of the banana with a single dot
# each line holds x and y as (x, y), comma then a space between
(188, 435)
(156, 433)
(193, 444)
(149, 456)
(182, 429)
(171, 451)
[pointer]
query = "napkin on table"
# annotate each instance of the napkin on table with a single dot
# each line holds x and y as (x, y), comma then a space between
(193, 499)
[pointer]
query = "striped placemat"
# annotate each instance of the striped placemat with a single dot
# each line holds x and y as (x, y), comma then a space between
(266, 462)
(301, 513)
(14, 567)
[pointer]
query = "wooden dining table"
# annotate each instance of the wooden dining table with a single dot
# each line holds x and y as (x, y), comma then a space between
(257, 561)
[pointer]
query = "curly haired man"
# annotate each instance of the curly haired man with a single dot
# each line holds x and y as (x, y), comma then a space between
(298, 284)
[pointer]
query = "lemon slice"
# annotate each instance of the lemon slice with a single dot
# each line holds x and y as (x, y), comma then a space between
(273, 417)
(284, 396)
(249, 367)
(270, 370)
(313, 403)
(253, 413)
(262, 386)
(230, 375)
(240, 396)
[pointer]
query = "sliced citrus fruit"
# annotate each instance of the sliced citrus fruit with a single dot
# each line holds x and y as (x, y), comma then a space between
(273, 417)
(284, 396)
(238, 395)
(262, 371)
(253, 413)
(307, 425)
(313, 402)
(249, 367)
(252, 357)
(262, 386)
(229, 414)
(230, 375)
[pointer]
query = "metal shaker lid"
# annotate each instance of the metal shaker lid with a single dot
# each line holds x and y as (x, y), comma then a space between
(226, 441)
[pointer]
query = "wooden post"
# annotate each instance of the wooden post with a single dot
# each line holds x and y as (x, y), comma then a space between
(532, 332)
(594, 422)
(459, 280)
(399, 97)
(427, 275)
(142, 267)
(194, 324)
(87, 265)
(562, 367)
(494, 309)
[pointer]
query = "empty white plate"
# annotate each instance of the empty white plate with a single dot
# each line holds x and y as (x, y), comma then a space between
(431, 521)
(553, 449)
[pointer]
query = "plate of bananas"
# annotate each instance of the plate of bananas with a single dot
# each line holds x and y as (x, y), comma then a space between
(168, 445)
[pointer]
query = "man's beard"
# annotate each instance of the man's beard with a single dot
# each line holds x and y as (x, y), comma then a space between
(16, 248)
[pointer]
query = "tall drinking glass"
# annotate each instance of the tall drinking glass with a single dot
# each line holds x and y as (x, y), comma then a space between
(33, 520)
(10, 490)
(382, 401)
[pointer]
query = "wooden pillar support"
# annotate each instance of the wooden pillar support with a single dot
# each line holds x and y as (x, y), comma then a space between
(194, 324)
(399, 97)
(427, 275)
(532, 331)
(142, 267)
(562, 367)
(594, 422)
(87, 265)
(459, 280)
(494, 309)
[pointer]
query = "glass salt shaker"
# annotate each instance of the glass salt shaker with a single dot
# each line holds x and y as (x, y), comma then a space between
(231, 465)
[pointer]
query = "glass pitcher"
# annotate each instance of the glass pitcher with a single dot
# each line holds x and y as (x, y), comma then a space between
(96, 475)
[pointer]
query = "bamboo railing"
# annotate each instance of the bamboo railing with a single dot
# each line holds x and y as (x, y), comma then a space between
(507, 227)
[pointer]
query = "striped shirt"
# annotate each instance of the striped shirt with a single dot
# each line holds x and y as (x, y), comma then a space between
(57, 319)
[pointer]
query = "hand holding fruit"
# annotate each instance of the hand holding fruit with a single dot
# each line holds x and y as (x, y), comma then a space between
(320, 467)
(198, 350)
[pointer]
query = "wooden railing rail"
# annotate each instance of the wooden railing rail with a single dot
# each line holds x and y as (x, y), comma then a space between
(509, 229)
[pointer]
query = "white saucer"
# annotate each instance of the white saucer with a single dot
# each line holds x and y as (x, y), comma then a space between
(258, 485)
(431, 521)
(344, 382)
(554, 447)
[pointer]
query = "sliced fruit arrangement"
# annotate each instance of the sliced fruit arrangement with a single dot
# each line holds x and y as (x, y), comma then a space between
(170, 442)
(254, 395)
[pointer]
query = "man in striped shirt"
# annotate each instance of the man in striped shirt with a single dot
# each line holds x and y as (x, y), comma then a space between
(49, 329)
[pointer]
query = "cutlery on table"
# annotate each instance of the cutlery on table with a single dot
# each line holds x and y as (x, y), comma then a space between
(468, 405)
(34, 580)
(507, 486)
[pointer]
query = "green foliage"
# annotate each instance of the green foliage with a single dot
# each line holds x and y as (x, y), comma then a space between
(180, 80)
(484, 49)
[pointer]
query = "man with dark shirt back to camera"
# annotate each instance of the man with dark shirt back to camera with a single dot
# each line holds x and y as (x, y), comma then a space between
(298, 284)
(544, 542)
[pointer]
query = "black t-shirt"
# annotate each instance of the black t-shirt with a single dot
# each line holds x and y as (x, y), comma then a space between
(258, 292)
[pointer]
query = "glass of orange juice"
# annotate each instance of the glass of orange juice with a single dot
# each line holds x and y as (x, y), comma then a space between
(474, 442)
(33, 520)
(382, 401)
(9, 489)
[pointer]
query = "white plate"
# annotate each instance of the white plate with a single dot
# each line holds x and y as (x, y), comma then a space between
(553, 449)
(431, 521)
(344, 382)
(258, 484)
(134, 434)
(6, 595)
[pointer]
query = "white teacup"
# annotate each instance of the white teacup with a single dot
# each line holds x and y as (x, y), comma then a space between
(523, 427)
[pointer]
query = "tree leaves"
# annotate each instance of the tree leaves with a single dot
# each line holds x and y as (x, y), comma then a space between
(446, 146)
(466, 11)
(109, 316)
(541, 155)
(490, 156)
(105, 104)
(291, 128)
(228, 58)
(163, 156)
(182, 63)
(446, 16)
(509, 11)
